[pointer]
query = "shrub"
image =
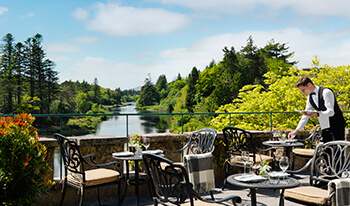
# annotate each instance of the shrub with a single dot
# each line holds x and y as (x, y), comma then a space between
(23, 169)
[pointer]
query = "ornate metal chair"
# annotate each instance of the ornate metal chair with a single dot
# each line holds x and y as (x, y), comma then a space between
(307, 153)
(331, 162)
(170, 184)
(200, 142)
(78, 177)
(238, 140)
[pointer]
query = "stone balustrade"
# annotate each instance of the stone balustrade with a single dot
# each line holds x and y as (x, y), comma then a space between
(103, 147)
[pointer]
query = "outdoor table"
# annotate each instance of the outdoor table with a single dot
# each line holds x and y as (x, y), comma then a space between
(286, 144)
(264, 184)
(129, 156)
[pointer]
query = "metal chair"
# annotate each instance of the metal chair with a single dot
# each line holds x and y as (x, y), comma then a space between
(307, 153)
(76, 174)
(330, 162)
(170, 184)
(238, 140)
(201, 141)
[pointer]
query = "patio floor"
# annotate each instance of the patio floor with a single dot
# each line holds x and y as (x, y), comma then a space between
(264, 197)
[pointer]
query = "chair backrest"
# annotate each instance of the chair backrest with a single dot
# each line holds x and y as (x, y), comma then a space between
(72, 159)
(238, 140)
(314, 138)
(169, 184)
(201, 141)
(331, 160)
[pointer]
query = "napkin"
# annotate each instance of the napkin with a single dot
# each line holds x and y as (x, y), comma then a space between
(250, 178)
(122, 154)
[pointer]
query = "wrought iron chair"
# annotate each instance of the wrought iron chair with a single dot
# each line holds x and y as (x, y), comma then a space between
(200, 142)
(170, 184)
(76, 174)
(238, 140)
(307, 153)
(331, 162)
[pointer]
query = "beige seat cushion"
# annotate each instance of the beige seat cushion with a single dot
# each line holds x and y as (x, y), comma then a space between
(237, 159)
(308, 194)
(304, 152)
(201, 203)
(95, 177)
(164, 164)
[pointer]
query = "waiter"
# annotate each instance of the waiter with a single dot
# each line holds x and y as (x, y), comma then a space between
(328, 112)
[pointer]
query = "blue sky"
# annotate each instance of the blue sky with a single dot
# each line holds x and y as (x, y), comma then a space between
(121, 42)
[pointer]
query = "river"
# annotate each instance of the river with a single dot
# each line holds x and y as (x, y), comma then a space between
(116, 125)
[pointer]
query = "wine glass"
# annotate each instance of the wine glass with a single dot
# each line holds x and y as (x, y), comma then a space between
(284, 164)
(146, 142)
(245, 159)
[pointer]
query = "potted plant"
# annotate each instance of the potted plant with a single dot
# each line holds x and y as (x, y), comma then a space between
(23, 169)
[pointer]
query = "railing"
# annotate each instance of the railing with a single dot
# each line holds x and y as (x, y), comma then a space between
(158, 114)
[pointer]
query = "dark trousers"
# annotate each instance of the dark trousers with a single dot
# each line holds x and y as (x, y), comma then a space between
(331, 134)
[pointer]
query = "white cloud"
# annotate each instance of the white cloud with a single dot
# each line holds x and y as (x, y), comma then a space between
(73, 45)
(80, 14)
(3, 10)
(128, 21)
(306, 8)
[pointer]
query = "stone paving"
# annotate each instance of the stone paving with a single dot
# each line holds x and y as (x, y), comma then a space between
(264, 197)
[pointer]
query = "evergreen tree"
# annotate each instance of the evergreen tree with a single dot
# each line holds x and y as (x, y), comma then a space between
(149, 94)
(7, 72)
(191, 90)
(19, 70)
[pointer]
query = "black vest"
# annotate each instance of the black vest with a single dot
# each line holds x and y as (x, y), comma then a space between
(337, 119)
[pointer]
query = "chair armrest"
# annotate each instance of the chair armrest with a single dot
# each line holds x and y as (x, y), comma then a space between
(268, 149)
(92, 162)
(301, 169)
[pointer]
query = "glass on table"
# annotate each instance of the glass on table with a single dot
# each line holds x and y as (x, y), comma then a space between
(146, 142)
(245, 159)
(284, 164)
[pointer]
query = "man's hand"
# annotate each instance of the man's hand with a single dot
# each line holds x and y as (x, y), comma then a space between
(291, 135)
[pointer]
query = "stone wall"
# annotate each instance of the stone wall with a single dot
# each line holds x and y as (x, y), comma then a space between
(103, 147)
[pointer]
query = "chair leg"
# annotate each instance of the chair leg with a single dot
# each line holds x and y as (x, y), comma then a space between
(82, 195)
(64, 191)
(119, 195)
(98, 196)
(212, 195)
(226, 174)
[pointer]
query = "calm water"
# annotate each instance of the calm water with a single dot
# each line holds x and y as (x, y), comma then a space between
(116, 125)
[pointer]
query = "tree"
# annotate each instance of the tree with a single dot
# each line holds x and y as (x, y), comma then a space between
(282, 95)
(96, 90)
(149, 95)
(161, 83)
(19, 70)
(7, 71)
(191, 90)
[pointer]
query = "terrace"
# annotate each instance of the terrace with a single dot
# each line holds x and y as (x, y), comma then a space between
(103, 146)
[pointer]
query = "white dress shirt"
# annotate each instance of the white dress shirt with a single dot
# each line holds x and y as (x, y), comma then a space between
(323, 117)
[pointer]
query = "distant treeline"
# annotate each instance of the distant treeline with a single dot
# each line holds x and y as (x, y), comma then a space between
(29, 83)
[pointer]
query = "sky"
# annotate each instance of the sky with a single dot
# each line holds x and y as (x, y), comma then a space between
(123, 42)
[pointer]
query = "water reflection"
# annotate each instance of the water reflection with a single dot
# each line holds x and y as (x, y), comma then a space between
(116, 125)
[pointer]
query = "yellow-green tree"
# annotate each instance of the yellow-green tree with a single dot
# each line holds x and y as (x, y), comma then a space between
(281, 95)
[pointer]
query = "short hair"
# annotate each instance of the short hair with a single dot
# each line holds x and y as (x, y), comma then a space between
(304, 81)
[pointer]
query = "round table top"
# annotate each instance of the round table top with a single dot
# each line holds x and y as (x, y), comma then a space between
(264, 184)
(282, 144)
(129, 156)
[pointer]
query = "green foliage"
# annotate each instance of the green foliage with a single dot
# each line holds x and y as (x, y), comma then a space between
(282, 95)
(191, 90)
(149, 95)
(23, 169)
